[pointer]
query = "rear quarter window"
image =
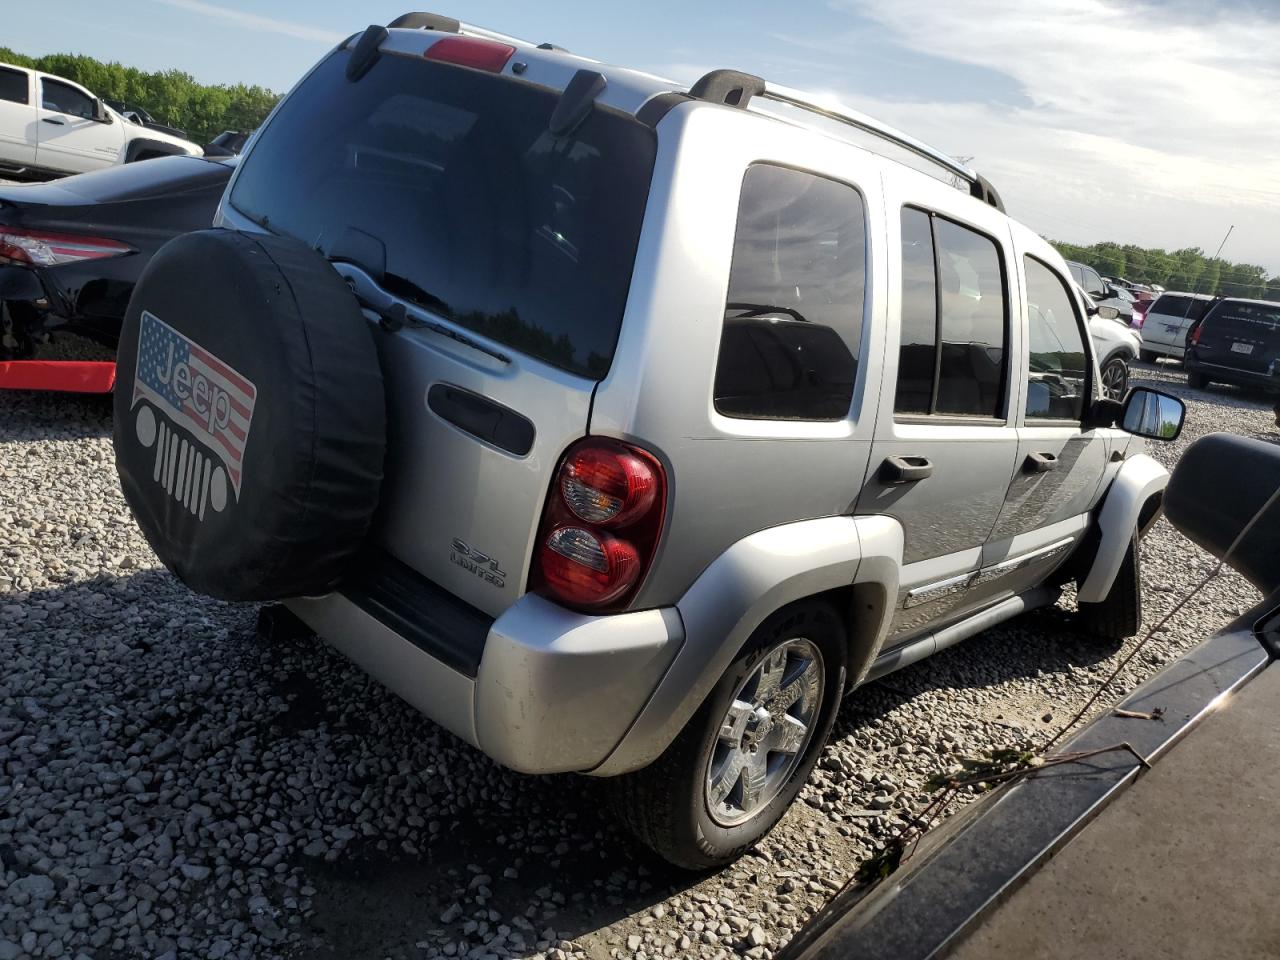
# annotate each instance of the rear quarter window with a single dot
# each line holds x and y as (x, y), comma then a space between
(14, 86)
(793, 315)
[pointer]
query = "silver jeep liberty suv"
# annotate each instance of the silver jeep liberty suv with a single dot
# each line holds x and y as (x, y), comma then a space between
(702, 408)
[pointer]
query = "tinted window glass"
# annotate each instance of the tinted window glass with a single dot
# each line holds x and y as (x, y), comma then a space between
(14, 86)
(1058, 381)
(953, 364)
(451, 177)
(65, 99)
(918, 350)
(794, 313)
(971, 367)
(1259, 321)
(1177, 305)
(1092, 283)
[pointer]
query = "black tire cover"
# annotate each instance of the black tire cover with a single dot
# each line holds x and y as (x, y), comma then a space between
(250, 416)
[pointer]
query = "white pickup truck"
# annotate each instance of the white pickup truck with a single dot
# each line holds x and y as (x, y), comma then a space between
(50, 126)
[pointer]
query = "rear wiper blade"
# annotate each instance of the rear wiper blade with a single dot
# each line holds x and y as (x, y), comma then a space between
(761, 309)
(386, 303)
(406, 289)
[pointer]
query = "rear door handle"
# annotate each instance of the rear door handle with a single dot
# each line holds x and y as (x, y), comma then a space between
(1040, 463)
(54, 120)
(905, 469)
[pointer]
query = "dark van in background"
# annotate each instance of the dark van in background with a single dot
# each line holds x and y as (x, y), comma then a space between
(1237, 341)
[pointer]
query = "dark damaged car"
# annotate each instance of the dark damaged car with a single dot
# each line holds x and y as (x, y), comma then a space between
(70, 254)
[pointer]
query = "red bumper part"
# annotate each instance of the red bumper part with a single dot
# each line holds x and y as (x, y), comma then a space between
(67, 376)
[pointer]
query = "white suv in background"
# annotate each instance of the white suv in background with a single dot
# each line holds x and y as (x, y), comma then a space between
(49, 125)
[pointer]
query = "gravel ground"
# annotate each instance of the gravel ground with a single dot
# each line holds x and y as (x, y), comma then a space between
(171, 786)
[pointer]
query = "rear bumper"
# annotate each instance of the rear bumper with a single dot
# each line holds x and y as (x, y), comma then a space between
(552, 691)
(1224, 374)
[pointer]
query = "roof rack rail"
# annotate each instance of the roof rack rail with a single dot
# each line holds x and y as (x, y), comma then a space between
(424, 21)
(737, 89)
(435, 21)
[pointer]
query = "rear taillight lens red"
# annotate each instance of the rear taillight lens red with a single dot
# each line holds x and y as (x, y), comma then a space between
(601, 525)
(1195, 332)
(471, 52)
(39, 249)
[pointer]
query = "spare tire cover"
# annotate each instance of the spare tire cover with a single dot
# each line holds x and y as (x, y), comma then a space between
(250, 416)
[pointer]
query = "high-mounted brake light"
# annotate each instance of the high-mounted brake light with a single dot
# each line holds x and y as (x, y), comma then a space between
(40, 249)
(471, 52)
(601, 525)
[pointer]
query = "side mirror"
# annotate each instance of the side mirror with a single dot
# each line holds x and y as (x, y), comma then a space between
(1152, 414)
(1108, 313)
(100, 112)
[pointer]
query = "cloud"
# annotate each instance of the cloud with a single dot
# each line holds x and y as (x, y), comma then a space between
(1142, 124)
(255, 22)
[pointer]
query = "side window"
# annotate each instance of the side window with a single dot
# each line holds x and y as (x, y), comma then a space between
(65, 99)
(951, 359)
(1093, 284)
(14, 86)
(917, 355)
(793, 316)
(1058, 366)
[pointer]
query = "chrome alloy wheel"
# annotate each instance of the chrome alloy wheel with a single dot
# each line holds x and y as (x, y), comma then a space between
(765, 731)
(1115, 379)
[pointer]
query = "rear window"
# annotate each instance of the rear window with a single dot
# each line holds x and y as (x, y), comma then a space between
(1177, 305)
(445, 184)
(1244, 319)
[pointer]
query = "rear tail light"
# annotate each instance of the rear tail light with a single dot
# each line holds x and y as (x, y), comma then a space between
(39, 249)
(471, 52)
(1195, 332)
(601, 525)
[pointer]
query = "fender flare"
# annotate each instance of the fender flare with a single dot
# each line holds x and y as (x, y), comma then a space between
(1123, 351)
(143, 145)
(1125, 507)
(742, 587)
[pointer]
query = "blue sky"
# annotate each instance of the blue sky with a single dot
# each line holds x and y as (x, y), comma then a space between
(1143, 122)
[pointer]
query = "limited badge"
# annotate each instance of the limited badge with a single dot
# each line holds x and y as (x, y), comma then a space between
(205, 408)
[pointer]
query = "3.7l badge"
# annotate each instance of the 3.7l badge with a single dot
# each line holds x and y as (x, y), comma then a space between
(475, 561)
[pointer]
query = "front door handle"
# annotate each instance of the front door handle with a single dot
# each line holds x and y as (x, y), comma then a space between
(1040, 463)
(905, 469)
(54, 120)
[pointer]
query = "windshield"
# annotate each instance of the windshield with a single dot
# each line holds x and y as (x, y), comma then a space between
(445, 184)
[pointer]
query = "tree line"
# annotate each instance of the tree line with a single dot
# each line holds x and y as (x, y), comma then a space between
(171, 97)
(1185, 269)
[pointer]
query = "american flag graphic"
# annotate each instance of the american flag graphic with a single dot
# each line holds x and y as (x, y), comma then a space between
(197, 390)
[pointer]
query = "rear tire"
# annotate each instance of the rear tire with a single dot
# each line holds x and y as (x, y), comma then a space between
(668, 805)
(1118, 615)
(1197, 381)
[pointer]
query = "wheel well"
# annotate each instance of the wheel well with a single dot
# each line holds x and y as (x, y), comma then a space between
(862, 608)
(1150, 512)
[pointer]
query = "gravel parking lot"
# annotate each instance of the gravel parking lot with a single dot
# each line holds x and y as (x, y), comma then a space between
(171, 786)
